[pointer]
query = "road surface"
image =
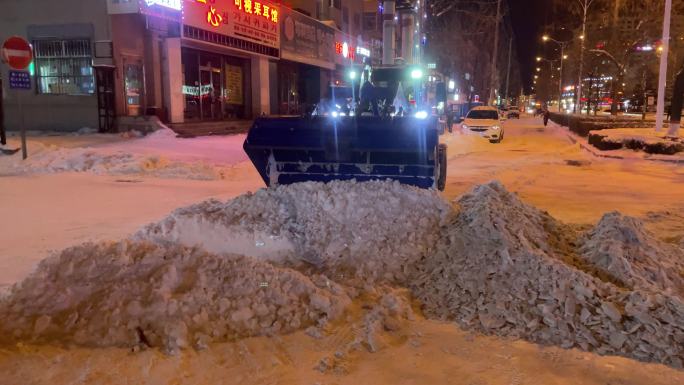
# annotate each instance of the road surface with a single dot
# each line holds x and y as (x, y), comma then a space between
(50, 212)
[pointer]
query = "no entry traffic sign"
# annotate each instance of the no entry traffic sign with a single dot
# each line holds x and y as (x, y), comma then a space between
(16, 51)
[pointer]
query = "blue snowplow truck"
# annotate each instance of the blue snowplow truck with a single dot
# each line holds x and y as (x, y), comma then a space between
(388, 134)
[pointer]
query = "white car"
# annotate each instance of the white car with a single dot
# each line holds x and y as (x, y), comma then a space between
(485, 122)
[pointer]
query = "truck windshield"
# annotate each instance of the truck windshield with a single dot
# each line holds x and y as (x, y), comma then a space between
(483, 114)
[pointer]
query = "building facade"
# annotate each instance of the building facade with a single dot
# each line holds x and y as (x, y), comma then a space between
(102, 63)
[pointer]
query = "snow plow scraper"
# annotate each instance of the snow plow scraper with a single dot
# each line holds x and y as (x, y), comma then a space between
(288, 150)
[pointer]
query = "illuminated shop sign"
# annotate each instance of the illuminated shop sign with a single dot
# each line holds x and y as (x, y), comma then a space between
(172, 4)
(265, 10)
(255, 21)
(346, 51)
(363, 51)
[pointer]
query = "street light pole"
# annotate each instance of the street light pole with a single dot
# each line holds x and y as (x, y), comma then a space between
(560, 77)
(494, 77)
(662, 75)
(562, 45)
(585, 4)
(508, 71)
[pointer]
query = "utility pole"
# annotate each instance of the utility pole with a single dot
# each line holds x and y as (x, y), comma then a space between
(662, 74)
(508, 71)
(560, 77)
(584, 4)
(492, 86)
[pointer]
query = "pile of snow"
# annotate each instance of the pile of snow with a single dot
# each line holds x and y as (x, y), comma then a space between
(366, 230)
(506, 268)
(312, 250)
(135, 294)
(621, 248)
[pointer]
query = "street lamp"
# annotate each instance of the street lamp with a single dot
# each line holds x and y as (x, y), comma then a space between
(562, 45)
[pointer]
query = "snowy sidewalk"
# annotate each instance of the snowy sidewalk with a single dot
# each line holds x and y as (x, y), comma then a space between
(160, 154)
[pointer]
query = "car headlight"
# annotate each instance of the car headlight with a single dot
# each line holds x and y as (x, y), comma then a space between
(464, 126)
(421, 114)
(496, 127)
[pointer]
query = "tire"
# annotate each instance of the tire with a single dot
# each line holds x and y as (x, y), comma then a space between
(441, 167)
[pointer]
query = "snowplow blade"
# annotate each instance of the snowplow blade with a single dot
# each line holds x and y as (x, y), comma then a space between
(288, 150)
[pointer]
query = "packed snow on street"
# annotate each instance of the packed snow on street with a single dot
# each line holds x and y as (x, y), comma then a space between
(159, 154)
(537, 263)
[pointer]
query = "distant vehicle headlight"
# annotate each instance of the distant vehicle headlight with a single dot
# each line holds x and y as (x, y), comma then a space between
(421, 115)
(334, 114)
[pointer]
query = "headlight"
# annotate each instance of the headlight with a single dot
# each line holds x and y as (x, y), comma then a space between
(496, 127)
(421, 115)
(464, 126)
(334, 114)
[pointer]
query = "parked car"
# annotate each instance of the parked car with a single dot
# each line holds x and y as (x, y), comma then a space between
(485, 122)
(513, 114)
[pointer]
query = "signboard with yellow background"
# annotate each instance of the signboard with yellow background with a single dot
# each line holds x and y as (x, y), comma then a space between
(251, 20)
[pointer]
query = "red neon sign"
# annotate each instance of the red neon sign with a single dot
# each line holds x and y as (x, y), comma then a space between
(345, 50)
(247, 6)
(213, 18)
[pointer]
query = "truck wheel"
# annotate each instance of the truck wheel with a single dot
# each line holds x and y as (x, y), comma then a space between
(441, 166)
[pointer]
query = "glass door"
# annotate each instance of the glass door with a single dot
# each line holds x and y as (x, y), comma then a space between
(134, 84)
(210, 93)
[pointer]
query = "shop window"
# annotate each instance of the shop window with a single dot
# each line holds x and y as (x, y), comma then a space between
(336, 4)
(64, 67)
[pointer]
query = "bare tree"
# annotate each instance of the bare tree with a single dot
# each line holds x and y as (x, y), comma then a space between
(458, 30)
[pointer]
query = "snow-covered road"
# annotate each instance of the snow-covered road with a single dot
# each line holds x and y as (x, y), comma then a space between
(49, 210)
(547, 169)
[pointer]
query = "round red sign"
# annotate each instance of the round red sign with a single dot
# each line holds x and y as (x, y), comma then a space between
(17, 53)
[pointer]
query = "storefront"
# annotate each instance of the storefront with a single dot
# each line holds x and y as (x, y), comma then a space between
(306, 61)
(226, 46)
(214, 86)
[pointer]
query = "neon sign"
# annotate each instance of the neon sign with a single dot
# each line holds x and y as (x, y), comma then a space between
(213, 18)
(256, 21)
(363, 51)
(257, 8)
(173, 4)
(345, 50)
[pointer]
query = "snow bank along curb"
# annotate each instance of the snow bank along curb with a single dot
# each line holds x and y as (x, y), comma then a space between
(619, 154)
(110, 161)
(495, 265)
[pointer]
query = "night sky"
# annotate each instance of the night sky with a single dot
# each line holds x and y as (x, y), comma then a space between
(529, 17)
